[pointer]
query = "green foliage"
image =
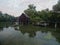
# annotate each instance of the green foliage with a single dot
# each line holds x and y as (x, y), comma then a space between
(44, 15)
(37, 16)
(56, 12)
(32, 13)
(57, 6)
(6, 18)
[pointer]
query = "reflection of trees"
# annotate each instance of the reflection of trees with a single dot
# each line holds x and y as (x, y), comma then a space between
(32, 31)
(1, 28)
(56, 35)
(31, 34)
(5, 24)
(28, 29)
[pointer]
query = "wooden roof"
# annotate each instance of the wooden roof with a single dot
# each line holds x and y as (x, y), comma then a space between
(24, 14)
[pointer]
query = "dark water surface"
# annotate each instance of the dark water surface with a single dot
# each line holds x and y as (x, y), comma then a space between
(10, 36)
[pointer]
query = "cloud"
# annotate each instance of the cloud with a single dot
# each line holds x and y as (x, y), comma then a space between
(16, 7)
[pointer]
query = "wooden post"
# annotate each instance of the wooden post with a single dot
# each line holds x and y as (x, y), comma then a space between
(55, 25)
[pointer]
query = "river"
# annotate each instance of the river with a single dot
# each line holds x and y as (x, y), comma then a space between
(11, 36)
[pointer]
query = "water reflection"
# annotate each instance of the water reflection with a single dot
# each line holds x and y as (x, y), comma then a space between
(10, 36)
(5, 24)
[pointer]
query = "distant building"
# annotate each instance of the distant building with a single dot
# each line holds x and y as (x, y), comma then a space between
(24, 19)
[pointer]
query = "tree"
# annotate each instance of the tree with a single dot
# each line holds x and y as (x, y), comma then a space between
(56, 13)
(44, 14)
(31, 12)
(6, 17)
(37, 16)
(57, 6)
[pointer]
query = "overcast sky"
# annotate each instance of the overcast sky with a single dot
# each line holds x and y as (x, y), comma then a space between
(16, 7)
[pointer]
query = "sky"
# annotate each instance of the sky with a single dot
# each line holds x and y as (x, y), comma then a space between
(16, 7)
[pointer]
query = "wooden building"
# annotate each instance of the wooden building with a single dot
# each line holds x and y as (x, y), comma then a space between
(24, 19)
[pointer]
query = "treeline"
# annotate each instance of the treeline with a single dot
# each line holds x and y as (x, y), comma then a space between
(51, 16)
(6, 17)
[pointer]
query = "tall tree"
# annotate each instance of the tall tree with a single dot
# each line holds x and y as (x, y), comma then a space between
(57, 6)
(56, 13)
(31, 12)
